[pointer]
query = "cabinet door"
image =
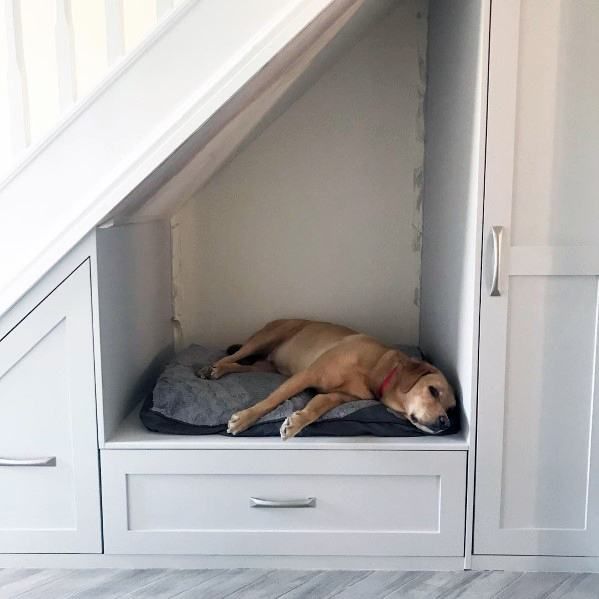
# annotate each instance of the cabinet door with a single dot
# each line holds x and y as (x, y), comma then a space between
(50, 499)
(537, 477)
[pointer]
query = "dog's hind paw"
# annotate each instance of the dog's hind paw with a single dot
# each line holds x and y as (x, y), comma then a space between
(210, 373)
(291, 426)
(204, 372)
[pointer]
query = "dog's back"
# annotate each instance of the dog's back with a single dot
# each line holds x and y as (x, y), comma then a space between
(306, 344)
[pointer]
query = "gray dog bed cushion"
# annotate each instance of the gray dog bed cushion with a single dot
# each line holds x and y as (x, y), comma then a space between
(181, 403)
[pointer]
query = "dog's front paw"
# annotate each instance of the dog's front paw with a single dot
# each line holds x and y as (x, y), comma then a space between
(292, 425)
(240, 421)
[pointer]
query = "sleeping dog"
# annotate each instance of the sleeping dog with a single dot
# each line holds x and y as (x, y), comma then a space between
(342, 365)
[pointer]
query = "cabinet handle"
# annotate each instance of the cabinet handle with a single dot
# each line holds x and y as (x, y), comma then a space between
(497, 233)
(28, 462)
(306, 502)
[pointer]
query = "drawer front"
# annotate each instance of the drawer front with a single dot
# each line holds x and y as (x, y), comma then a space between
(50, 499)
(244, 502)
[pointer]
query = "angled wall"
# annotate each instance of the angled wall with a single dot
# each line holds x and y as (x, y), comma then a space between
(318, 216)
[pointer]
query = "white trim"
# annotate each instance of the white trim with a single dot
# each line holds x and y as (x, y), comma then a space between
(112, 75)
(300, 562)
(83, 251)
(471, 467)
(131, 434)
(535, 563)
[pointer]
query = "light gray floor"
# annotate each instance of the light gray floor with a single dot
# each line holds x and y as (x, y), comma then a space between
(288, 584)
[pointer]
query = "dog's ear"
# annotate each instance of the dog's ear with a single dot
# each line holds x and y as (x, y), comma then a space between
(411, 372)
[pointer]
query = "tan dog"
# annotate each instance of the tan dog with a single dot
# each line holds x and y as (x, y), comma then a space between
(342, 365)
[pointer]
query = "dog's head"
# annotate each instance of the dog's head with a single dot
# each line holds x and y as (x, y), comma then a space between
(422, 394)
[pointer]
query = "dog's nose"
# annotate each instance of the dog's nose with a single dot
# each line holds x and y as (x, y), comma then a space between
(442, 422)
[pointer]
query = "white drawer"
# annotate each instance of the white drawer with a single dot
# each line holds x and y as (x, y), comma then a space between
(49, 480)
(375, 503)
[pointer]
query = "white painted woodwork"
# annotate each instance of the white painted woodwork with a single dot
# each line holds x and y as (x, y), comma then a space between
(163, 7)
(377, 499)
(38, 23)
(131, 434)
(57, 52)
(455, 109)
(138, 18)
(453, 191)
(537, 442)
(89, 44)
(285, 78)
(133, 122)
(134, 305)
(322, 204)
(367, 503)
(17, 84)
(535, 563)
(5, 124)
(81, 252)
(115, 30)
(65, 54)
(47, 407)
(287, 562)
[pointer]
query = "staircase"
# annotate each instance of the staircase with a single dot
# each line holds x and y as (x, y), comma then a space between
(187, 96)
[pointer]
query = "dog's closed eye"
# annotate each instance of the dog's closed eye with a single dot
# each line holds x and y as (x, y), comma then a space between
(434, 391)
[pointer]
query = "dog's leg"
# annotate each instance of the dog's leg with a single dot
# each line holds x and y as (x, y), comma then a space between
(314, 409)
(261, 342)
(261, 366)
(245, 418)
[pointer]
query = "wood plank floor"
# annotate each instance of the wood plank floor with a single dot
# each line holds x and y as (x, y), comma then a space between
(291, 584)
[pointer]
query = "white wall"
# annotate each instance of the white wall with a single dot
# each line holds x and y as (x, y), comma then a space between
(319, 216)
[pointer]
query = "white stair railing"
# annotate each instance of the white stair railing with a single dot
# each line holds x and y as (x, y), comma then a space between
(115, 30)
(88, 37)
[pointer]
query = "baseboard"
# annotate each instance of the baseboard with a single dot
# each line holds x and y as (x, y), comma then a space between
(235, 561)
(535, 563)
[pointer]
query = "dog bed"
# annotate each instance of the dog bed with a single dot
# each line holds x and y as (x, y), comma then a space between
(183, 404)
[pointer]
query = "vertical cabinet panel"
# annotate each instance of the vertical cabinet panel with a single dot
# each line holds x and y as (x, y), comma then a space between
(555, 151)
(50, 499)
(548, 402)
(537, 489)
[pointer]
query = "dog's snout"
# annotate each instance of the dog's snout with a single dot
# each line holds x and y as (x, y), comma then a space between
(442, 422)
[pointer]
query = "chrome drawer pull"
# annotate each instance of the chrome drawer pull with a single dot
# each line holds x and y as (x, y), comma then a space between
(306, 502)
(497, 234)
(28, 462)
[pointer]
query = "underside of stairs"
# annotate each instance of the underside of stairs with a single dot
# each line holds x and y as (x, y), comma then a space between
(206, 81)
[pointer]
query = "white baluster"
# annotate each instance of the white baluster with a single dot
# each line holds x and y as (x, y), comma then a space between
(65, 54)
(115, 33)
(17, 78)
(162, 7)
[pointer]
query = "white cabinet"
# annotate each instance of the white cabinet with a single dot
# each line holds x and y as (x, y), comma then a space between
(284, 502)
(537, 479)
(50, 499)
